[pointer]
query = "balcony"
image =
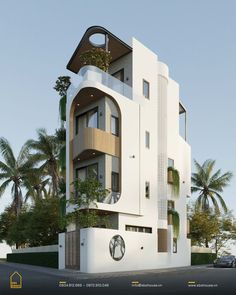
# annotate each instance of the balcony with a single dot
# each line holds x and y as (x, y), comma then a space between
(92, 73)
(97, 141)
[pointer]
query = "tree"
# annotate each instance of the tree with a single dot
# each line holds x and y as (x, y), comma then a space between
(7, 219)
(47, 151)
(226, 234)
(204, 225)
(86, 195)
(62, 85)
(14, 171)
(209, 186)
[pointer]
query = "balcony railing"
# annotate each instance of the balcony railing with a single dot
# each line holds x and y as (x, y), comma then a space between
(92, 73)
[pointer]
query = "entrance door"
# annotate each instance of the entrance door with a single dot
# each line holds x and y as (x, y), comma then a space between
(73, 249)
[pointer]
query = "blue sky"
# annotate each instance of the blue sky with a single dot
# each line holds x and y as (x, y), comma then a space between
(195, 38)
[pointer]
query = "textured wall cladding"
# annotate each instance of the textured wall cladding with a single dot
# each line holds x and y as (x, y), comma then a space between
(162, 148)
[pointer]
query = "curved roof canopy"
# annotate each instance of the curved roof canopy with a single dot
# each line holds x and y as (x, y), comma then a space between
(116, 46)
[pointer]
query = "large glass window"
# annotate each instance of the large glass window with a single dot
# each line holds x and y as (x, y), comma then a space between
(147, 139)
(114, 125)
(92, 118)
(87, 172)
(115, 185)
(146, 91)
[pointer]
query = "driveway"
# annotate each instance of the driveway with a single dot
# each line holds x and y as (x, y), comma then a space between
(187, 280)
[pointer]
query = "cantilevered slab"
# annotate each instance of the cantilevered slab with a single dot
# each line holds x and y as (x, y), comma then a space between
(116, 46)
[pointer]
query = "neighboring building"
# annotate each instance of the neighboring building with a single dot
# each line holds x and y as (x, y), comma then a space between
(123, 127)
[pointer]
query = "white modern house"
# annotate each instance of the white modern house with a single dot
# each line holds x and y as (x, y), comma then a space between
(123, 127)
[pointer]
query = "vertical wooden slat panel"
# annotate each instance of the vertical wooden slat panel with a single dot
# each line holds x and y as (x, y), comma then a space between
(73, 249)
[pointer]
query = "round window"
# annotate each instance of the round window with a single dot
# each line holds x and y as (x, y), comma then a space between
(117, 247)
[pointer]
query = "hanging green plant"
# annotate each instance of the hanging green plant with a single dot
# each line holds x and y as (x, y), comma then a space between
(173, 179)
(175, 222)
(97, 57)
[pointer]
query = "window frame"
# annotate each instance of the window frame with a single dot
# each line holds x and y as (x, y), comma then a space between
(138, 229)
(77, 117)
(116, 127)
(86, 170)
(117, 189)
(145, 82)
(122, 74)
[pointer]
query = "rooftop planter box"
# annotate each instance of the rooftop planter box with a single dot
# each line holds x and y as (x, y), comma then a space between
(97, 57)
(173, 179)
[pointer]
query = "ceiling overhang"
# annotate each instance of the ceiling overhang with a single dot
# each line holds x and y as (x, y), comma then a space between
(117, 47)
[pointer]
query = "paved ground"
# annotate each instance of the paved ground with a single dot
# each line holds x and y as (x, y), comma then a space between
(189, 280)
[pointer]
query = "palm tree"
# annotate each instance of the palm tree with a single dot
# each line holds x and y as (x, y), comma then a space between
(36, 186)
(47, 151)
(209, 186)
(14, 171)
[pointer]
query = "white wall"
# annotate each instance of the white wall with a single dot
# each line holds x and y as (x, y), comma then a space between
(4, 250)
(49, 248)
(95, 255)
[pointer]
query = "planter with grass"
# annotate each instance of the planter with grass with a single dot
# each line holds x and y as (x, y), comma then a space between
(173, 179)
(173, 219)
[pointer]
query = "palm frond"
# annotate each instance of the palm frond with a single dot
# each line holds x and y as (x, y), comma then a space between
(7, 152)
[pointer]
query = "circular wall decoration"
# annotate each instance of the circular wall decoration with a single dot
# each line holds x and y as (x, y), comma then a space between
(117, 247)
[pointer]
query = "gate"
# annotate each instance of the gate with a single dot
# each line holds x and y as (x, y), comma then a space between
(72, 247)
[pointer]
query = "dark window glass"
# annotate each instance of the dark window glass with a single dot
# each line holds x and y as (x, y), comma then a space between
(171, 204)
(115, 182)
(76, 124)
(92, 118)
(119, 75)
(147, 189)
(146, 89)
(114, 125)
(87, 172)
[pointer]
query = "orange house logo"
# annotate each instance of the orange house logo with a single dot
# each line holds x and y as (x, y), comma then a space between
(15, 280)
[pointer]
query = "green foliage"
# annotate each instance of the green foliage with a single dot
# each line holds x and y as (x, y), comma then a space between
(46, 259)
(202, 258)
(62, 85)
(86, 195)
(97, 57)
(175, 222)
(204, 225)
(209, 186)
(62, 108)
(14, 171)
(35, 226)
(176, 181)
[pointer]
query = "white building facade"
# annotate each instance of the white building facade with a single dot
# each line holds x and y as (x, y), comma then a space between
(124, 127)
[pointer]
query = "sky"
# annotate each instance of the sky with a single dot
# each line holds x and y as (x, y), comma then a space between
(195, 38)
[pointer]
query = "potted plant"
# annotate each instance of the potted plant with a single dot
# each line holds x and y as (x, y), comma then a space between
(173, 179)
(97, 57)
(173, 219)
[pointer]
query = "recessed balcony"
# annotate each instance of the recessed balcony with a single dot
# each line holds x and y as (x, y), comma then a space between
(91, 142)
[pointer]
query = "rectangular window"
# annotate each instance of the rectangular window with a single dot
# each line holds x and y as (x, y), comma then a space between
(147, 139)
(140, 229)
(174, 245)
(171, 205)
(171, 162)
(115, 182)
(119, 75)
(114, 125)
(147, 189)
(87, 172)
(92, 118)
(146, 91)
